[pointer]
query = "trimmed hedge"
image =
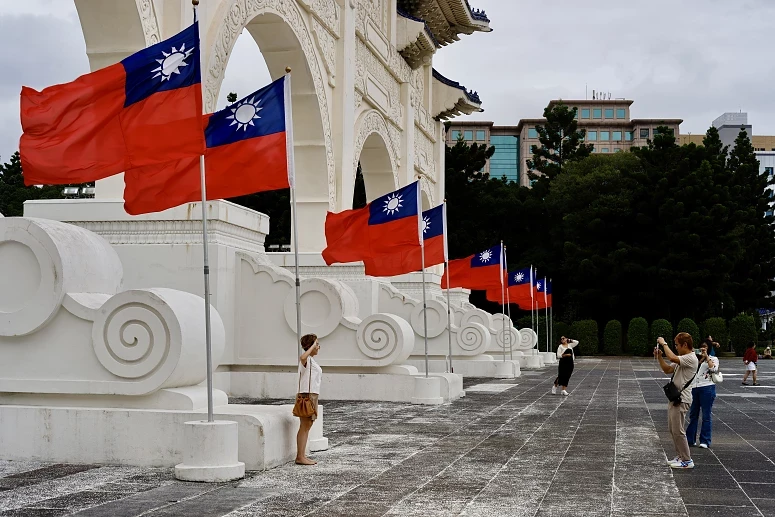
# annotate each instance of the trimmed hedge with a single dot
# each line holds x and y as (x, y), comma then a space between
(717, 328)
(585, 331)
(742, 330)
(688, 325)
(612, 338)
(638, 337)
(560, 329)
(661, 328)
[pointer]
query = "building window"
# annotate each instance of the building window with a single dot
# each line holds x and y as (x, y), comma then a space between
(604, 150)
(591, 136)
(617, 150)
(585, 113)
(455, 134)
(644, 133)
(656, 132)
(621, 113)
(468, 135)
(532, 133)
(609, 113)
(628, 136)
(575, 113)
(597, 113)
(768, 171)
(480, 135)
(605, 135)
(617, 137)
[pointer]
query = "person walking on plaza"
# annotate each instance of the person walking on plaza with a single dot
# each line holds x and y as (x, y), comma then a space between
(749, 360)
(703, 395)
(565, 368)
(683, 366)
(310, 377)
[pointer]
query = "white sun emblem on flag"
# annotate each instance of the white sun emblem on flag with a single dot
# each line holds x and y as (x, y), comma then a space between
(244, 113)
(426, 223)
(519, 277)
(538, 285)
(172, 62)
(392, 204)
(485, 256)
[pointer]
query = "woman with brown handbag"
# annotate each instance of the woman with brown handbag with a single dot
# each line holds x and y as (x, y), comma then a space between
(306, 407)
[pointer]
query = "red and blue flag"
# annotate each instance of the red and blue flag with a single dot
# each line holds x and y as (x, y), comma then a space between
(408, 261)
(484, 270)
(390, 224)
(544, 290)
(248, 150)
(518, 291)
(144, 110)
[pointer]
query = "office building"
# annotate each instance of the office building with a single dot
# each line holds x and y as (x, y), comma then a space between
(607, 123)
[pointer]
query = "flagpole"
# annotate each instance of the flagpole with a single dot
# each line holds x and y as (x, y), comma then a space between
(206, 271)
(546, 308)
(421, 235)
(532, 305)
(503, 300)
(449, 305)
(294, 213)
(508, 302)
(551, 326)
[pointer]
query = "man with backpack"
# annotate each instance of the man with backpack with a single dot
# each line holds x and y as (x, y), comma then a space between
(683, 366)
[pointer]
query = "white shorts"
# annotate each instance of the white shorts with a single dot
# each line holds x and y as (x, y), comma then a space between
(751, 367)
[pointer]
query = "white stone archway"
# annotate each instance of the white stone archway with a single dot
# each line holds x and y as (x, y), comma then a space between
(378, 158)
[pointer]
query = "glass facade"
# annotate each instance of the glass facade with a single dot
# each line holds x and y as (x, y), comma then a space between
(591, 135)
(644, 133)
(480, 135)
(604, 150)
(468, 135)
(532, 133)
(585, 113)
(597, 113)
(455, 135)
(505, 160)
(617, 136)
(621, 113)
(609, 113)
(605, 135)
(628, 136)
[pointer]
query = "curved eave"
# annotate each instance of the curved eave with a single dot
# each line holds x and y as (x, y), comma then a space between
(463, 15)
(414, 40)
(447, 19)
(451, 99)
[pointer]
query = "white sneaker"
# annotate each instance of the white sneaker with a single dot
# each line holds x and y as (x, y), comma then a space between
(704, 445)
(554, 390)
(674, 460)
(682, 464)
(565, 393)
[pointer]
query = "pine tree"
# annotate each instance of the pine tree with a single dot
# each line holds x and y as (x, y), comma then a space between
(13, 193)
(561, 141)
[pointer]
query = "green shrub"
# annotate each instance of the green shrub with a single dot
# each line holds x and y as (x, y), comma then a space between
(638, 337)
(717, 328)
(585, 331)
(524, 322)
(661, 328)
(612, 338)
(688, 325)
(742, 330)
(560, 329)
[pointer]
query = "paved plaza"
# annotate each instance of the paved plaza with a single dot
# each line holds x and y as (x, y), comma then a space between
(509, 448)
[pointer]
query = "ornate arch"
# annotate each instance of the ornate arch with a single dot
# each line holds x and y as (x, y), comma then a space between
(149, 22)
(371, 122)
(235, 16)
(426, 185)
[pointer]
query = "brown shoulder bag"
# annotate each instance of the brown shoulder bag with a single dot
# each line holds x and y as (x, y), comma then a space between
(304, 407)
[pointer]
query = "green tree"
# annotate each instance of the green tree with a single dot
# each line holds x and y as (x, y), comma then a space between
(742, 330)
(13, 193)
(586, 332)
(612, 338)
(661, 328)
(638, 337)
(688, 325)
(717, 329)
(231, 97)
(561, 141)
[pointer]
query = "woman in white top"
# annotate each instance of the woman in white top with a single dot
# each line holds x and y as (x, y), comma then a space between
(310, 377)
(565, 368)
(703, 395)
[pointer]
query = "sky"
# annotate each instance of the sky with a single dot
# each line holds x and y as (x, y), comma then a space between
(688, 59)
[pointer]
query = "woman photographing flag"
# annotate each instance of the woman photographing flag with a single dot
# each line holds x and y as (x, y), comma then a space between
(565, 368)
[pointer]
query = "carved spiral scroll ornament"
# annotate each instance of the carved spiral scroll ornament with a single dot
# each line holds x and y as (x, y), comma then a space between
(437, 318)
(508, 338)
(131, 340)
(473, 337)
(527, 339)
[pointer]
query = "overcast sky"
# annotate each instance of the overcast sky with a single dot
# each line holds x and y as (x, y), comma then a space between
(689, 59)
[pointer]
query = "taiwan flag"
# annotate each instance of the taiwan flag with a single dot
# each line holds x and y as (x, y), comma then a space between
(388, 225)
(145, 110)
(544, 297)
(484, 270)
(407, 261)
(518, 289)
(249, 149)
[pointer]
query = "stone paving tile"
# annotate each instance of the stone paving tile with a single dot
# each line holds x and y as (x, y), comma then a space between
(500, 451)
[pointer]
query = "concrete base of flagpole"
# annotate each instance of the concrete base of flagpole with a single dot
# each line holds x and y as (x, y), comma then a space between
(548, 357)
(504, 370)
(210, 452)
(533, 361)
(426, 391)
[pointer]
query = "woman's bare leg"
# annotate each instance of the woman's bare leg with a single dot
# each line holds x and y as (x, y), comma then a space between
(305, 424)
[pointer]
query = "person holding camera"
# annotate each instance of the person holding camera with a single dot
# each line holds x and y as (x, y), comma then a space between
(703, 395)
(683, 366)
